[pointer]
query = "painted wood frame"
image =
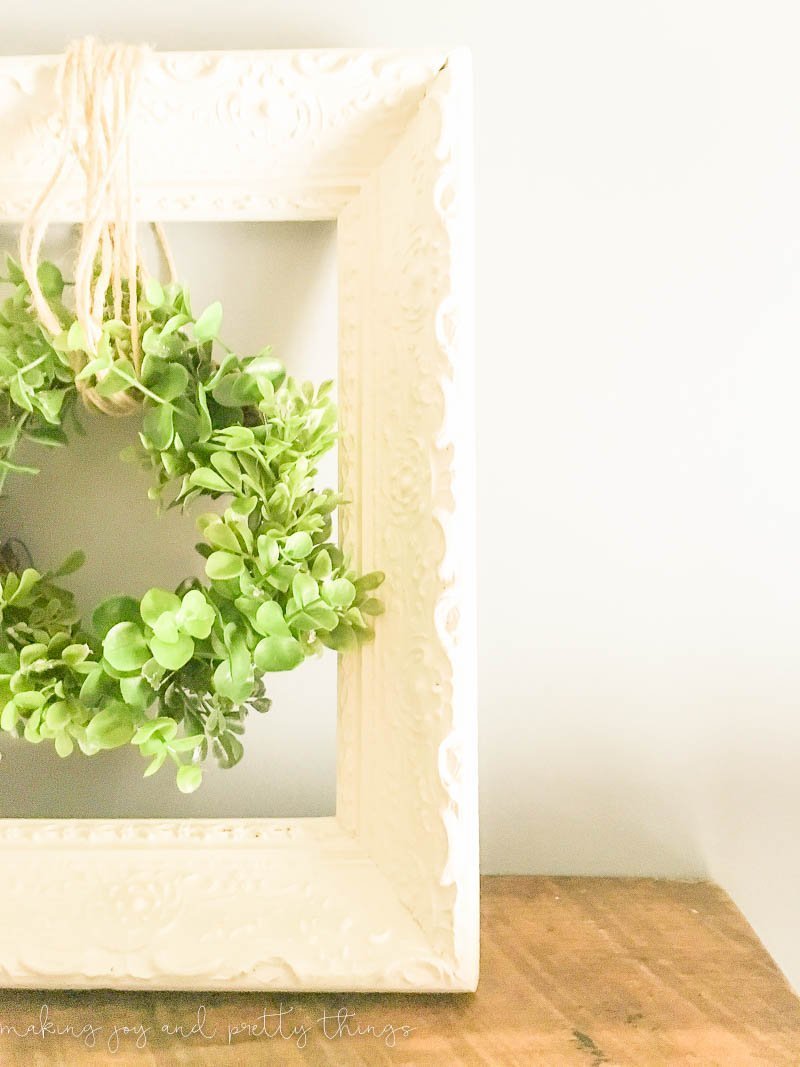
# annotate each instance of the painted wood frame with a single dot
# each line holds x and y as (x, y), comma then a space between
(383, 896)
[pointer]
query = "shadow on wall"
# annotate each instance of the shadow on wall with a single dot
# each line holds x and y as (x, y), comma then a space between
(763, 829)
(580, 826)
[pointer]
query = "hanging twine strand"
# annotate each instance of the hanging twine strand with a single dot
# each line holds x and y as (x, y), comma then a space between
(97, 87)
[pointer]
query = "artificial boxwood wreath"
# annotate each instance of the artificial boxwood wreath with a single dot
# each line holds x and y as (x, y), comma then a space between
(173, 673)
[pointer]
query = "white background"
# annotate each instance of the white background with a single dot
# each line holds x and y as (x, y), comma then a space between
(638, 171)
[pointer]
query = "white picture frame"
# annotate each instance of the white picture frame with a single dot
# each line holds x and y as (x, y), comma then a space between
(383, 896)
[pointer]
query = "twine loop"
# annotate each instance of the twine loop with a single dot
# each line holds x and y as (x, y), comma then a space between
(97, 87)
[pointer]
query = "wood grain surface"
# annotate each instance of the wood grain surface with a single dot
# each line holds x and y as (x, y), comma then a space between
(575, 971)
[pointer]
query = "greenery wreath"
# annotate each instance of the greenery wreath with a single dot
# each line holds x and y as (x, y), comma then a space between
(174, 673)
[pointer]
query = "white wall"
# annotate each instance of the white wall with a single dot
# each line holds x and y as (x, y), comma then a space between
(639, 327)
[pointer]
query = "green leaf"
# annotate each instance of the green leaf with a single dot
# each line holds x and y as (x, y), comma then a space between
(221, 369)
(341, 639)
(155, 603)
(154, 294)
(153, 350)
(164, 728)
(125, 648)
(187, 421)
(94, 367)
(208, 325)
(204, 426)
(151, 366)
(64, 745)
(111, 728)
(369, 581)
(30, 700)
(31, 655)
(50, 280)
(235, 438)
(225, 465)
(96, 688)
(265, 365)
(281, 577)
(338, 592)
(153, 672)
(158, 345)
(298, 546)
(172, 655)
(26, 583)
(20, 393)
(49, 436)
(278, 654)
(196, 616)
(32, 733)
(166, 627)
(136, 692)
(305, 589)
(117, 378)
(116, 328)
(218, 534)
(268, 551)
(112, 611)
(372, 606)
(171, 382)
(15, 274)
(232, 750)
(223, 565)
(240, 660)
(189, 777)
(208, 479)
(74, 655)
(186, 744)
(174, 323)
(179, 296)
(270, 621)
(58, 715)
(322, 566)
(157, 427)
(156, 763)
(236, 689)
(50, 402)
(236, 390)
(323, 617)
(355, 618)
(8, 720)
(73, 562)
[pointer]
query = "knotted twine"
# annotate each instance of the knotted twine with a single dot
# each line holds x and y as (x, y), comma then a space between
(96, 87)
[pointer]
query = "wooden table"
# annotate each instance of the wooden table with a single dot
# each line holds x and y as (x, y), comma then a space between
(583, 971)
